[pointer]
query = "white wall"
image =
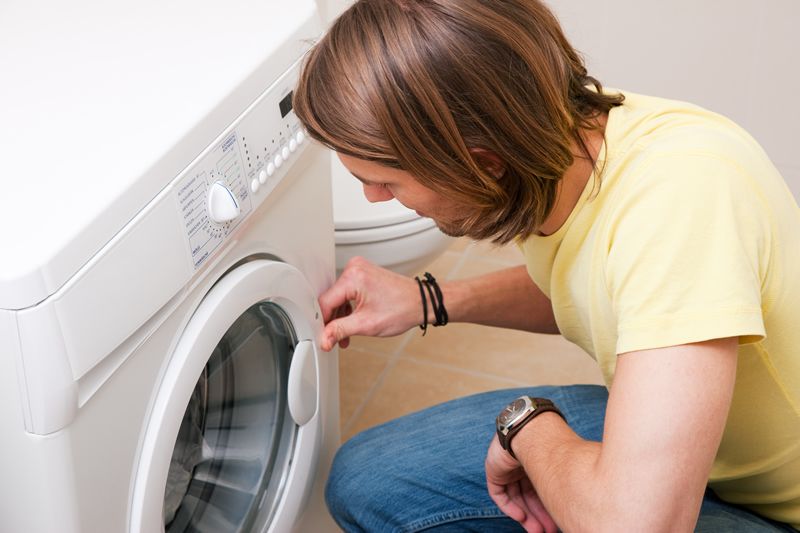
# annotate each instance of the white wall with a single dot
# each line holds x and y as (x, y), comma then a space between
(331, 9)
(740, 58)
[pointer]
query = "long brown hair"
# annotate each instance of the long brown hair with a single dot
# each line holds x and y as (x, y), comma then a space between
(416, 84)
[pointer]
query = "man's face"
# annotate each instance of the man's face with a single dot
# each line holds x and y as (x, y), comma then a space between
(382, 183)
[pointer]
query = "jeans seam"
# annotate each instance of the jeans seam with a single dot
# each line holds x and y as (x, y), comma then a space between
(449, 517)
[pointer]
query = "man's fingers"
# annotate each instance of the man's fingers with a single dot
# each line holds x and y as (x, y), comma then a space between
(504, 502)
(341, 312)
(333, 299)
(344, 310)
(339, 330)
(513, 491)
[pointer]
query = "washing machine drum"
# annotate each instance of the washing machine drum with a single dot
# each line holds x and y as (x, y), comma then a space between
(236, 436)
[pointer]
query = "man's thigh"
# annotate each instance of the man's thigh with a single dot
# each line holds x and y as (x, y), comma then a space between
(425, 470)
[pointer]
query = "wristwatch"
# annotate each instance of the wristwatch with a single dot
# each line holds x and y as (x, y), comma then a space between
(518, 413)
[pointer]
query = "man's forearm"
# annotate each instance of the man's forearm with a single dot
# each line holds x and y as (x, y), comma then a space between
(651, 469)
(565, 471)
(507, 298)
(584, 492)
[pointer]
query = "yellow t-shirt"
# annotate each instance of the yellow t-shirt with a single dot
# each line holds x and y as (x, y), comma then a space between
(691, 234)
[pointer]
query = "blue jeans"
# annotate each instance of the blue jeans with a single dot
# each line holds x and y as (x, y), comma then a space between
(424, 471)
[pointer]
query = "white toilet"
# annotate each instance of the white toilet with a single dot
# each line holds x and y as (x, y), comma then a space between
(385, 233)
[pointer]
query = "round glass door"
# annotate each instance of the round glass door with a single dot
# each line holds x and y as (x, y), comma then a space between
(236, 439)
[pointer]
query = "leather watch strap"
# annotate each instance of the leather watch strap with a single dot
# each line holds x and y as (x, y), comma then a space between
(542, 405)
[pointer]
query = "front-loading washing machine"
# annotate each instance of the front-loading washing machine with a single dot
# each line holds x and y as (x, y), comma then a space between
(166, 230)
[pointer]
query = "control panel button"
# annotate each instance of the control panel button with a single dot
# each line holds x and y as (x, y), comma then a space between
(300, 137)
(222, 204)
(262, 177)
(285, 153)
(278, 161)
(270, 168)
(254, 185)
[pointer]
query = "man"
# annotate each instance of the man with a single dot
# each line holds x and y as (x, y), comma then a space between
(657, 236)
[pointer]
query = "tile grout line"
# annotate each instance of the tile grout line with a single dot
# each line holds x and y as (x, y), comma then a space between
(393, 358)
(372, 391)
(465, 254)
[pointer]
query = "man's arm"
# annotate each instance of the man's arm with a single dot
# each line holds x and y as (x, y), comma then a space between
(664, 422)
(507, 298)
(385, 303)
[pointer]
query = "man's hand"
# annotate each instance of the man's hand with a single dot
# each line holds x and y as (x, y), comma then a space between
(513, 492)
(368, 300)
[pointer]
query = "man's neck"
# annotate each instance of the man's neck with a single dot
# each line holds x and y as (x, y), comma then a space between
(573, 183)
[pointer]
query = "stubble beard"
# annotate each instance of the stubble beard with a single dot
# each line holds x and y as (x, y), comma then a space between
(456, 228)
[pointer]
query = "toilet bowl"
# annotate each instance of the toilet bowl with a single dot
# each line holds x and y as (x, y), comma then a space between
(386, 233)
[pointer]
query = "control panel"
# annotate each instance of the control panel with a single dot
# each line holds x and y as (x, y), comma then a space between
(233, 175)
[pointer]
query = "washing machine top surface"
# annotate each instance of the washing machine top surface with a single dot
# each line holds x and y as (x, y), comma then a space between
(351, 209)
(103, 105)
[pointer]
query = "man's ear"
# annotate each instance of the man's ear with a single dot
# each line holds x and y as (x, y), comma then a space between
(489, 161)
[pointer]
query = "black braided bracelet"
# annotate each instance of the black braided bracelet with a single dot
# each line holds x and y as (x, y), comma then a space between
(430, 285)
(432, 296)
(424, 325)
(437, 300)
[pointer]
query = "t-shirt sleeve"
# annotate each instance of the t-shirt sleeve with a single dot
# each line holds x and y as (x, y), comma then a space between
(687, 249)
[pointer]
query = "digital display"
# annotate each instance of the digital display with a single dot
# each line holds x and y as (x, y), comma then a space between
(286, 105)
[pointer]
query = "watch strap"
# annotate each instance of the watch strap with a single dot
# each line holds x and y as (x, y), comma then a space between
(541, 405)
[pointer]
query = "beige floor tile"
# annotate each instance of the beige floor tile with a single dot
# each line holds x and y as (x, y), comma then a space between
(525, 358)
(443, 266)
(358, 373)
(461, 244)
(477, 266)
(377, 345)
(411, 385)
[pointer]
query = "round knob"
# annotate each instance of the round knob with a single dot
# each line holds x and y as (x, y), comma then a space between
(285, 153)
(222, 204)
(300, 136)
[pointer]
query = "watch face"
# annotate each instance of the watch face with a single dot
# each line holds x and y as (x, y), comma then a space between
(511, 411)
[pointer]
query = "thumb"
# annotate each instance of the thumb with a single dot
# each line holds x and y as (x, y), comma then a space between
(336, 331)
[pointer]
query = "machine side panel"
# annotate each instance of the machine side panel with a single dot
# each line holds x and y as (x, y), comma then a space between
(30, 464)
(51, 393)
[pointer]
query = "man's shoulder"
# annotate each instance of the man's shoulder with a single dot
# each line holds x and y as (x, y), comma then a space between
(653, 126)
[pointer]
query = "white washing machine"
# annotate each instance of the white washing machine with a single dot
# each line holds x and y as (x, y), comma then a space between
(165, 232)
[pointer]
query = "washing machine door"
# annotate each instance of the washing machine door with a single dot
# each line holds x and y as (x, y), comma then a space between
(232, 441)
